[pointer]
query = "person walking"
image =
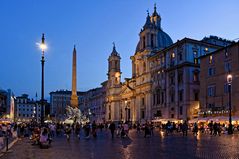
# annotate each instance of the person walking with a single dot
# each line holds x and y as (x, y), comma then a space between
(195, 129)
(185, 128)
(126, 129)
(112, 129)
(94, 127)
(210, 126)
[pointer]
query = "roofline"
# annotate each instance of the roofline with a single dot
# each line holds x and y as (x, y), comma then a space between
(217, 51)
(185, 40)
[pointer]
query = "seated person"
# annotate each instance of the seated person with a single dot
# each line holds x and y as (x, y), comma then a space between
(44, 138)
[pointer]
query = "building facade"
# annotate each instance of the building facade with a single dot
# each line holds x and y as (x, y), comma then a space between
(27, 109)
(58, 102)
(214, 98)
(7, 104)
(93, 104)
(165, 76)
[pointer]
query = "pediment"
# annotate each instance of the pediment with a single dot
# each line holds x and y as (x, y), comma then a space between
(126, 90)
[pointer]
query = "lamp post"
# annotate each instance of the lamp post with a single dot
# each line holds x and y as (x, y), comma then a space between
(229, 82)
(126, 112)
(43, 48)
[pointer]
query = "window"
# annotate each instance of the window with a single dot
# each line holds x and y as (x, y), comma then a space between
(226, 53)
(121, 114)
(171, 79)
(180, 57)
(196, 96)
(211, 91)
(152, 40)
(162, 97)
(211, 71)
(158, 113)
(195, 54)
(181, 110)
(180, 77)
(19, 115)
(225, 88)
(172, 115)
(227, 67)
(142, 101)
(173, 55)
(143, 42)
(116, 64)
(154, 98)
(142, 114)
(158, 96)
(210, 59)
(181, 95)
(196, 76)
(172, 97)
(195, 60)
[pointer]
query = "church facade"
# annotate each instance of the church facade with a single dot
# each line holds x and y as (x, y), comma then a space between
(165, 77)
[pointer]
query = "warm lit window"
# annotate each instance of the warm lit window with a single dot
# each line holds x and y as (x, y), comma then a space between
(173, 55)
(195, 60)
(210, 59)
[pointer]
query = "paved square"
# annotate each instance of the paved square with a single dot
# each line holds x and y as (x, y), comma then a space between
(135, 147)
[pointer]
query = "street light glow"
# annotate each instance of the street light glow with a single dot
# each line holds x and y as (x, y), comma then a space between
(42, 46)
(229, 78)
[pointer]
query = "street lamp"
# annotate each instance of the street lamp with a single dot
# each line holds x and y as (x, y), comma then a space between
(229, 82)
(126, 111)
(43, 47)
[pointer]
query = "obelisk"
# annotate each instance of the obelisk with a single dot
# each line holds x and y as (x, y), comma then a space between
(74, 97)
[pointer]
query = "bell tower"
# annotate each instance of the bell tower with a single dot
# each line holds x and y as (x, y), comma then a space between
(114, 73)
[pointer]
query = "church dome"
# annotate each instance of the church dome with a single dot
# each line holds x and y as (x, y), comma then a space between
(164, 39)
(153, 23)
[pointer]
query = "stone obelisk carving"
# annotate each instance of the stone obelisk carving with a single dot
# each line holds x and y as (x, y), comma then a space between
(74, 97)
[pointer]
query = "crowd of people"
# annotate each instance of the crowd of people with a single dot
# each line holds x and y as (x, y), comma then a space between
(44, 134)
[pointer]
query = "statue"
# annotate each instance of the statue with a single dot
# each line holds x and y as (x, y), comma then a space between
(75, 116)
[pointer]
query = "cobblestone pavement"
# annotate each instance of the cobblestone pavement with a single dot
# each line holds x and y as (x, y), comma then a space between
(135, 147)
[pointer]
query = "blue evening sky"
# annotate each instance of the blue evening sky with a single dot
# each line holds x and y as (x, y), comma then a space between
(93, 25)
